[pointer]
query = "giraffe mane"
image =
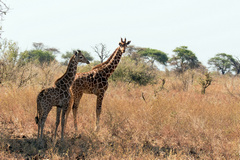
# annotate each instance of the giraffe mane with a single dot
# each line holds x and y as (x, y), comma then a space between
(64, 73)
(106, 62)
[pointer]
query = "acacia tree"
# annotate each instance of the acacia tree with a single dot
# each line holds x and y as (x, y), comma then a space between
(221, 62)
(42, 47)
(225, 63)
(153, 55)
(36, 56)
(184, 59)
(39, 54)
(38, 46)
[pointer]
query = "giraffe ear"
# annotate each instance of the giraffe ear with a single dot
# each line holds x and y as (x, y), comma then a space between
(128, 42)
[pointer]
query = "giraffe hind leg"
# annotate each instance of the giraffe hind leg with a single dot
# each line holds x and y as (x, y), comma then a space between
(69, 109)
(75, 110)
(57, 120)
(64, 110)
(98, 110)
(38, 117)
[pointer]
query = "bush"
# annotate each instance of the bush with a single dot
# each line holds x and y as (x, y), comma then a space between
(36, 56)
(134, 72)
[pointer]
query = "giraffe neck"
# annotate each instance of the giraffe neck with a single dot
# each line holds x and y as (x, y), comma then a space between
(67, 79)
(113, 63)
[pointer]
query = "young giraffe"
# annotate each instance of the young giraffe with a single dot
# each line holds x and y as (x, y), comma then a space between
(59, 95)
(96, 82)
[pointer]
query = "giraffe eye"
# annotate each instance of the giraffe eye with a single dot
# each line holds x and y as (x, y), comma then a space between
(80, 57)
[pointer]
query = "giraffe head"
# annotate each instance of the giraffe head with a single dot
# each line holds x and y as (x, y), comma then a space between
(123, 45)
(79, 57)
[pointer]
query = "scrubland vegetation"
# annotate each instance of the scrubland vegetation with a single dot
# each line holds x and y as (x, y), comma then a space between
(183, 113)
(148, 121)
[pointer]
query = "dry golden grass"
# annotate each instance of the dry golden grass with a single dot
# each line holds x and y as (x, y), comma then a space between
(173, 123)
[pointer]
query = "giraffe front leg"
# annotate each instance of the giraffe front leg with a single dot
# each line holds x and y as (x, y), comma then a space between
(42, 122)
(98, 110)
(43, 118)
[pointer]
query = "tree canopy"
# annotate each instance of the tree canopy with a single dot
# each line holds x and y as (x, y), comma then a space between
(153, 55)
(38, 56)
(184, 59)
(225, 63)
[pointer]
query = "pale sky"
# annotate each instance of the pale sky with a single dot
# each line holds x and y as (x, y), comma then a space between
(207, 27)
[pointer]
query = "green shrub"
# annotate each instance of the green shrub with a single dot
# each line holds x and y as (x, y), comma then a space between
(37, 56)
(133, 71)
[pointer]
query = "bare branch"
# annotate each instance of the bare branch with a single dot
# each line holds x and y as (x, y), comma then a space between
(53, 50)
(3, 9)
(38, 46)
(101, 51)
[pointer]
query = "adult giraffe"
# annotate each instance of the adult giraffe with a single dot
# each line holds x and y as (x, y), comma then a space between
(59, 96)
(96, 82)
